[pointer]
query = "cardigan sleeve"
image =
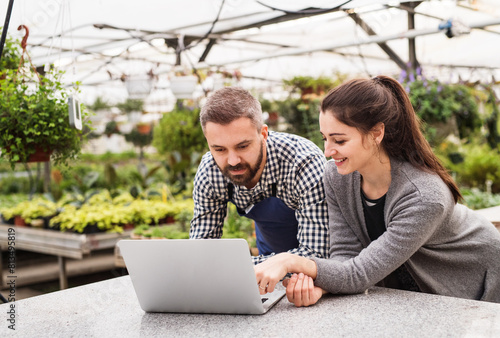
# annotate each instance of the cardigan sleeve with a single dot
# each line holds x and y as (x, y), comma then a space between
(344, 244)
(410, 222)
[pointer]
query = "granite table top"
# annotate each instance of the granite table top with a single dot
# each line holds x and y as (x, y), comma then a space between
(110, 309)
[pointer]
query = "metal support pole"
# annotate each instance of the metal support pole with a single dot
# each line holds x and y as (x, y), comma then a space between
(63, 276)
(6, 26)
(412, 50)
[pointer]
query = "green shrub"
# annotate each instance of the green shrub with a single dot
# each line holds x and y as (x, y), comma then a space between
(179, 138)
(480, 164)
(444, 108)
(476, 199)
(30, 210)
(236, 226)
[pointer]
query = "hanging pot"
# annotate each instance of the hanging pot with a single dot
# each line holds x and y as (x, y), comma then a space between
(183, 87)
(144, 128)
(139, 87)
(40, 155)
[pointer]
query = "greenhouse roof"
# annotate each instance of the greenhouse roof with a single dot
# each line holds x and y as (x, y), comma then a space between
(104, 43)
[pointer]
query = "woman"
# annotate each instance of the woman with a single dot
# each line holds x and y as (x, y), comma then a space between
(394, 217)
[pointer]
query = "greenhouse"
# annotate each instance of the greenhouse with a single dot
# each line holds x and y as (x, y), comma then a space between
(343, 158)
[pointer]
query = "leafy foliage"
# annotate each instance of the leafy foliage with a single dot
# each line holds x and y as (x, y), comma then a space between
(99, 104)
(36, 114)
(477, 199)
(480, 164)
(179, 130)
(139, 139)
(301, 109)
(131, 105)
(439, 104)
(11, 55)
(179, 136)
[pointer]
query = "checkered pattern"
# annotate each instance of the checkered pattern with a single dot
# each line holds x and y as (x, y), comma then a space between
(296, 165)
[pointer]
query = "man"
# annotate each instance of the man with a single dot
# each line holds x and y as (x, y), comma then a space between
(273, 178)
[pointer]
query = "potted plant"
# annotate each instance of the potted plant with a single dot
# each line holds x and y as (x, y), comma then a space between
(143, 128)
(445, 108)
(179, 136)
(34, 117)
(111, 128)
(27, 213)
(183, 83)
(138, 231)
(312, 88)
(10, 56)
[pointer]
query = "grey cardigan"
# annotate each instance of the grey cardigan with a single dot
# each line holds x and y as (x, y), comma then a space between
(447, 248)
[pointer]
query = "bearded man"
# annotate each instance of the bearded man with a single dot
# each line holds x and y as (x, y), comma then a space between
(273, 178)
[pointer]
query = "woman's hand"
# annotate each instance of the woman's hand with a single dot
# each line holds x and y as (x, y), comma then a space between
(271, 271)
(300, 290)
(274, 269)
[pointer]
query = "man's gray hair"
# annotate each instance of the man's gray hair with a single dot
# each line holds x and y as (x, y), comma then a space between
(231, 103)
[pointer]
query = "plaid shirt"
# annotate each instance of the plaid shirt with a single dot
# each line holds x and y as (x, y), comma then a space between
(296, 165)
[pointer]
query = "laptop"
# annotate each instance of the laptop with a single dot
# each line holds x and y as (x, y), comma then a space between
(195, 276)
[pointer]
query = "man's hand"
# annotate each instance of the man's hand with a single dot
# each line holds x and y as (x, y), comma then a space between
(300, 290)
(271, 271)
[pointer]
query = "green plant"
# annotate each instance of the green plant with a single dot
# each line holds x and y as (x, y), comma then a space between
(103, 216)
(139, 229)
(301, 112)
(11, 55)
(139, 139)
(184, 217)
(444, 108)
(10, 200)
(493, 120)
(34, 112)
(30, 210)
(131, 105)
(174, 232)
(477, 199)
(307, 85)
(236, 226)
(99, 104)
(156, 232)
(480, 164)
(111, 128)
(36, 115)
(179, 136)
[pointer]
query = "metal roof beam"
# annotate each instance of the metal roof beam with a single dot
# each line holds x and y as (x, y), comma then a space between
(388, 50)
(375, 39)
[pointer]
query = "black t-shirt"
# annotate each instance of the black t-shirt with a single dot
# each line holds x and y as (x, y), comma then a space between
(375, 225)
(374, 215)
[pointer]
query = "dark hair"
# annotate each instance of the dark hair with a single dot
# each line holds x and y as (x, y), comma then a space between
(231, 103)
(362, 103)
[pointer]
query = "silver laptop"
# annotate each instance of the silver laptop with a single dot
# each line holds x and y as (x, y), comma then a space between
(195, 276)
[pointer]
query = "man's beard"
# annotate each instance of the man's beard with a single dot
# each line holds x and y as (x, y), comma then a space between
(249, 175)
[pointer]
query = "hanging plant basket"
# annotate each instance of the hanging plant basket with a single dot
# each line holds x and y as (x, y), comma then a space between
(34, 114)
(139, 86)
(144, 128)
(40, 155)
(183, 87)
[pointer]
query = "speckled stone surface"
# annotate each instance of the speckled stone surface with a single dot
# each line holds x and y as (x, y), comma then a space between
(110, 309)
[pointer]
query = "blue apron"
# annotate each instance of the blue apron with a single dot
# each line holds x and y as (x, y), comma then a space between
(275, 223)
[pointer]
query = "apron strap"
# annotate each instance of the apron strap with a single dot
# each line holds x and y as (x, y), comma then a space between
(230, 192)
